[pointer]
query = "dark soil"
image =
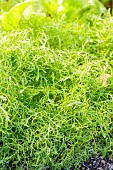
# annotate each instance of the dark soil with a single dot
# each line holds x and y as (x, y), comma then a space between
(98, 163)
(93, 163)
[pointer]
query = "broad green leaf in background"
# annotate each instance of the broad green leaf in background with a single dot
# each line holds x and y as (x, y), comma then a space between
(10, 19)
(69, 10)
(50, 6)
(6, 5)
(77, 9)
(72, 9)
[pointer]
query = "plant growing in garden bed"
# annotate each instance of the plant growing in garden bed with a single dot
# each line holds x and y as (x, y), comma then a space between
(56, 92)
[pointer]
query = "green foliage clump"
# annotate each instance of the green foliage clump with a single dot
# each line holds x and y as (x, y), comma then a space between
(56, 93)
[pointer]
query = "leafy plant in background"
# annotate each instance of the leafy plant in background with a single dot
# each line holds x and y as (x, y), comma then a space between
(51, 7)
(70, 10)
(11, 19)
(6, 5)
(57, 9)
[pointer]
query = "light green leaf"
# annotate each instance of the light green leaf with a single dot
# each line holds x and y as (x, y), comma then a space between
(80, 9)
(50, 6)
(11, 18)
